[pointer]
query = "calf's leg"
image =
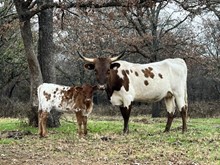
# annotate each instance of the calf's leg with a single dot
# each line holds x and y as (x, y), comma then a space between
(126, 115)
(42, 121)
(79, 119)
(85, 125)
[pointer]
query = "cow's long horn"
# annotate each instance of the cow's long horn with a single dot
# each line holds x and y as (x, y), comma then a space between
(118, 57)
(86, 58)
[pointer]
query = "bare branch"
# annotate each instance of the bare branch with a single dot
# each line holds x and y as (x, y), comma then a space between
(177, 24)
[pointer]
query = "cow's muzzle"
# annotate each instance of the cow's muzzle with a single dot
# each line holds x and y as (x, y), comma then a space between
(101, 87)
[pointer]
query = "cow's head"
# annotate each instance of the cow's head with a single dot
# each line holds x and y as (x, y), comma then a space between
(102, 66)
(83, 98)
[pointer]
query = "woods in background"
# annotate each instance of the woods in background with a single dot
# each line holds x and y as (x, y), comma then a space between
(39, 40)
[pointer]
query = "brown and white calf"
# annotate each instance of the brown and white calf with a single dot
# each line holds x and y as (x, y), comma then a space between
(126, 82)
(66, 99)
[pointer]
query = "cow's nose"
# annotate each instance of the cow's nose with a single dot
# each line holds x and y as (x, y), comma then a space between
(88, 100)
(101, 87)
(77, 109)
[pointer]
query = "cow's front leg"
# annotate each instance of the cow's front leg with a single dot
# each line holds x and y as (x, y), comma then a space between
(126, 115)
(170, 117)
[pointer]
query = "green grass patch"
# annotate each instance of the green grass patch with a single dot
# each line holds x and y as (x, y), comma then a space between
(145, 144)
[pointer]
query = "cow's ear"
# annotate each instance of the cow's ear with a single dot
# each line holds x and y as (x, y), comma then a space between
(89, 66)
(115, 66)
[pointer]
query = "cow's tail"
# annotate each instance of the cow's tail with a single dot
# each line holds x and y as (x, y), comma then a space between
(185, 89)
(186, 97)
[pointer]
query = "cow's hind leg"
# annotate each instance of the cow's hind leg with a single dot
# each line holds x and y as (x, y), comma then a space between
(126, 115)
(170, 106)
(183, 108)
(183, 112)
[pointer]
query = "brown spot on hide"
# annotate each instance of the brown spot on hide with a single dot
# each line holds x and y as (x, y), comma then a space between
(148, 72)
(160, 75)
(136, 73)
(127, 71)
(125, 81)
(115, 82)
(146, 82)
(150, 68)
(67, 95)
(47, 95)
(131, 71)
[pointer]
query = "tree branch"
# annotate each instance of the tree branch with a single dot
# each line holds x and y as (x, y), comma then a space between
(176, 25)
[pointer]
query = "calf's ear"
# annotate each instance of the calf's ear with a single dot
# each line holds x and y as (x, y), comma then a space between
(69, 94)
(115, 66)
(78, 89)
(89, 66)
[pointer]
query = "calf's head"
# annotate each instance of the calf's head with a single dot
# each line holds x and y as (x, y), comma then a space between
(83, 99)
(102, 67)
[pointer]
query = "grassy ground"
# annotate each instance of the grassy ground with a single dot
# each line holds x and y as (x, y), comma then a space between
(105, 144)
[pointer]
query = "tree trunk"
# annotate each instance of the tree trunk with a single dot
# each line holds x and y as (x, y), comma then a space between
(34, 67)
(156, 107)
(46, 54)
(45, 44)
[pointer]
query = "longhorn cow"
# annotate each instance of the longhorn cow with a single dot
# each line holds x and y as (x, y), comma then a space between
(126, 82)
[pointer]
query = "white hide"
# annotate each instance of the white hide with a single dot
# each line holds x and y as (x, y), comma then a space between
(174, 77)
(55, 99)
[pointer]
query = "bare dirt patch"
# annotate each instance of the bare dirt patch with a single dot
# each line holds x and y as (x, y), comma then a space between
(96, 149)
